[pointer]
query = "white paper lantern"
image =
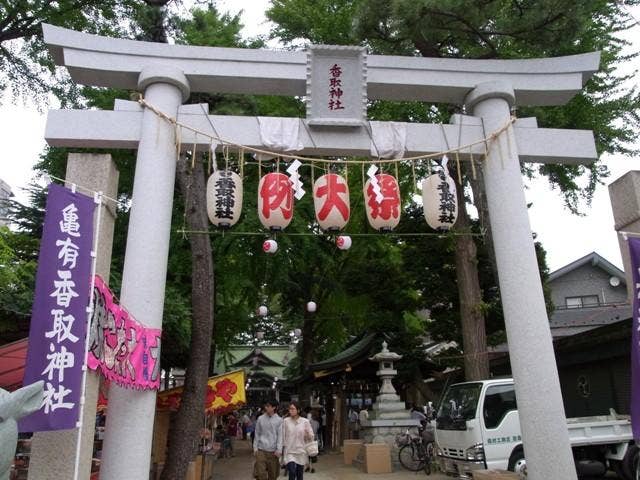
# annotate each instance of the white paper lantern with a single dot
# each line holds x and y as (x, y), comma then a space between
(262, 311)
(224, 198)
(297, 332)
(382, 202)
(343, 242)
(270, 246)
(331, 202)
(311, 307)
(275, 201)
(439, 200)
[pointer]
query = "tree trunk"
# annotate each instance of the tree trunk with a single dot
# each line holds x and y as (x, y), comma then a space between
(189, 419)
(474, 339)
(308, 339)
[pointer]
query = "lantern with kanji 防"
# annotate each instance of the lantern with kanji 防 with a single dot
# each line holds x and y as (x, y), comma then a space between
(331, 202)
(382, 202)
(224, 198)
(275, 201)
(439, 200)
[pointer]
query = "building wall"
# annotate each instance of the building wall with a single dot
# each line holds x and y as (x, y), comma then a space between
(5, 194)
(586, 280)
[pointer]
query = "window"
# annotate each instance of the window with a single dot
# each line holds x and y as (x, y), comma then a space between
(499, 400)
(583, 301)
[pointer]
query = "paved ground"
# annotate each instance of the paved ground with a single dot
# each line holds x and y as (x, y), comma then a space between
(329, 467)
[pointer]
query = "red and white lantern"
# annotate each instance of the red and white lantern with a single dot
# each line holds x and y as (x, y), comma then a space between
(331, 202)
(382, 202)
(343, 242)
(275, 201)
(270, 246)
(439, 200)
(224, 198)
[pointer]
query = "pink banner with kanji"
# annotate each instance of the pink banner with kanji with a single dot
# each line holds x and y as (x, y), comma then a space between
(123, 350)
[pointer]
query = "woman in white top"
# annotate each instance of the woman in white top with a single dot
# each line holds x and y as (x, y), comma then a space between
(296, 432)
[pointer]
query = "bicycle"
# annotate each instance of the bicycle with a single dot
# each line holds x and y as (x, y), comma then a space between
(415, 454)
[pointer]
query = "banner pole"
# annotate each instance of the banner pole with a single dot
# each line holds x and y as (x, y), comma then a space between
(97, 199)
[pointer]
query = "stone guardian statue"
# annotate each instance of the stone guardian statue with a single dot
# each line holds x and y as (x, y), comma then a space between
(14, 406)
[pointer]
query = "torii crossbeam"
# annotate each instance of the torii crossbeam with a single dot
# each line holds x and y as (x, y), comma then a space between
(489, 88)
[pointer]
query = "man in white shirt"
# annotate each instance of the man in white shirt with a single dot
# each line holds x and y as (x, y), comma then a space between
(267, 446)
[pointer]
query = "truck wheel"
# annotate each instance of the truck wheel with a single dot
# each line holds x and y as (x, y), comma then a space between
(517, 463)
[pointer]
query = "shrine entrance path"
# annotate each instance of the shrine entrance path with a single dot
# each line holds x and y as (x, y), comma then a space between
(328, 467)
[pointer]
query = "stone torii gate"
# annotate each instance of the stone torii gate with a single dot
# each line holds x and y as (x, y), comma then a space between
(166, 74)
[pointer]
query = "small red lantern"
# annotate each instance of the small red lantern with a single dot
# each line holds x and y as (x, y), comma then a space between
(343, 242)
(270, 246)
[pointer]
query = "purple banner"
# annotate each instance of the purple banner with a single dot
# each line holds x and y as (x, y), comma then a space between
(59, 316)
(634, 250)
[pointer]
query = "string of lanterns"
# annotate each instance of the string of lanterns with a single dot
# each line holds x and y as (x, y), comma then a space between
(277, 190)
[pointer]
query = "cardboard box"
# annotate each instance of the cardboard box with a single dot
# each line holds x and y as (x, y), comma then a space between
(494, 475)
(377, 458)
(350, 450)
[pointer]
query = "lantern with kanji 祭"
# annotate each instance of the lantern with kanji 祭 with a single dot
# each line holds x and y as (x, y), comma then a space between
(331, 202)
(275, 201)
(382, 202)
(224, 198)
(439, 200)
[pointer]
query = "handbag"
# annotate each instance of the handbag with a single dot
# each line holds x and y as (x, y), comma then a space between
(311, 448)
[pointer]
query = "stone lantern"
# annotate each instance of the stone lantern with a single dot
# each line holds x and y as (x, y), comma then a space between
(386, 372)
(388, 416)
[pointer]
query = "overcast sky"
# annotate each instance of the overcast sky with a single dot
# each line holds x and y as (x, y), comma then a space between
(565, 237)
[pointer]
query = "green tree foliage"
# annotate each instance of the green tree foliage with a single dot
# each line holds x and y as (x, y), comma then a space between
(17, 272)
(484, 30)
(26, 69)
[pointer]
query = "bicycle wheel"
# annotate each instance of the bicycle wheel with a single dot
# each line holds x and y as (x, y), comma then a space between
(409, 458)
(428, 458)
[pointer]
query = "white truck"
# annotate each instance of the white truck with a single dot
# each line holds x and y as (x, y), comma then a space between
(478, 427)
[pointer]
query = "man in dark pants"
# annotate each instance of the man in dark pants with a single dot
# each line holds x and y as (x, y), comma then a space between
(267, 446)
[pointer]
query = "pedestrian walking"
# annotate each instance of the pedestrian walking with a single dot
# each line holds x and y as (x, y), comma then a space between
(297, 433)
(267, 446)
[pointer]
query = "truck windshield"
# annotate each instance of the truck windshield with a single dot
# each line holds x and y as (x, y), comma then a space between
(458, 405)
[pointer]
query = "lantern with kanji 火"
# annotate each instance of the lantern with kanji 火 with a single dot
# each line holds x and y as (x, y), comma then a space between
(224, 198)
(439, 200)
(382, 202)
(331, 201)
(275, 201)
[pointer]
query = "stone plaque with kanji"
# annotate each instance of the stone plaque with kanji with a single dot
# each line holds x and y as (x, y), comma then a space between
(336, 85)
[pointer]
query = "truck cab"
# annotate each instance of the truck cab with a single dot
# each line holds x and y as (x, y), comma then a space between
(478, 427)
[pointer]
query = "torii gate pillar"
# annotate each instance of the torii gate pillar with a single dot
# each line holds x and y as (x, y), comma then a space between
(129, 431)
(530, 345)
